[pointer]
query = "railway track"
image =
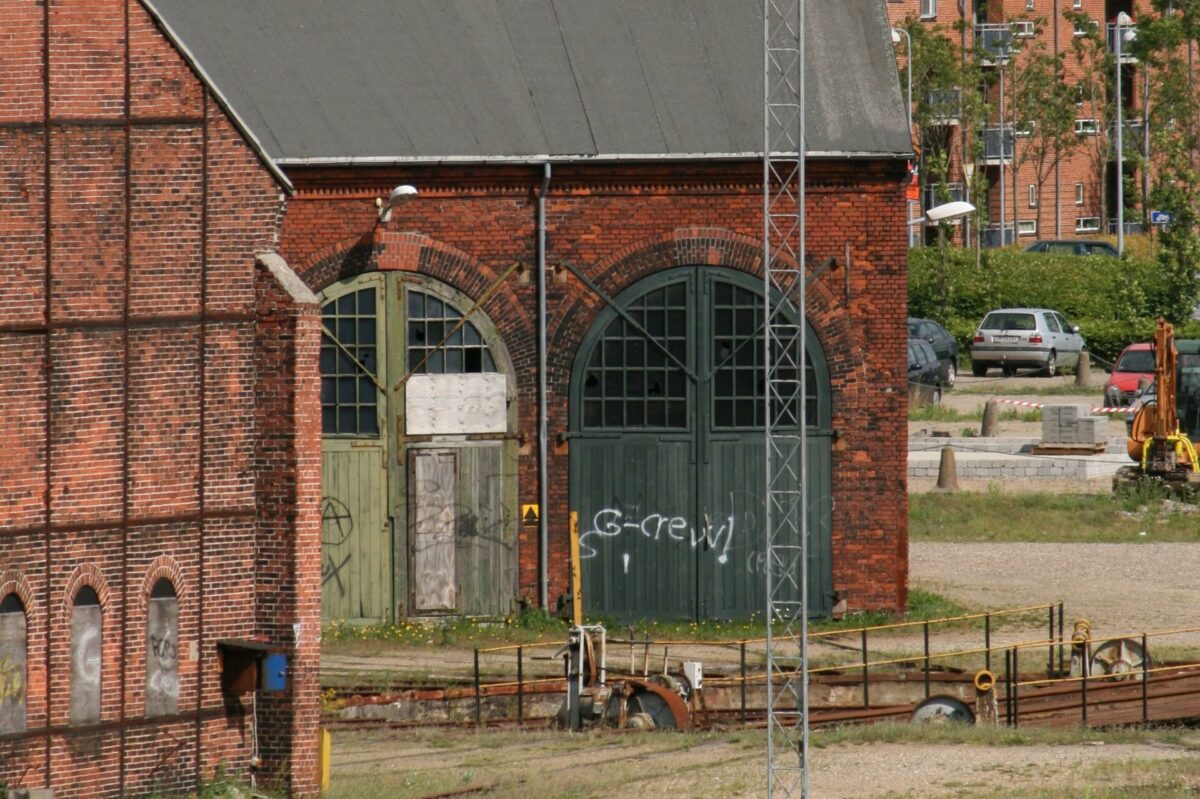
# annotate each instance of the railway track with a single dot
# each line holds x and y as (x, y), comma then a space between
(1169, 694)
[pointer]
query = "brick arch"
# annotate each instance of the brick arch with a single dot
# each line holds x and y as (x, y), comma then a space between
(508, 308)
(88, 574)
(13, 582)
(842, 343)
(163, 566)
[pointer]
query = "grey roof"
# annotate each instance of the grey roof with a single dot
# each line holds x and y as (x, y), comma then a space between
(336, 81)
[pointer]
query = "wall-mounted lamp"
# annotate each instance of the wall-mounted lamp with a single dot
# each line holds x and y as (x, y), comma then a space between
(399, 196)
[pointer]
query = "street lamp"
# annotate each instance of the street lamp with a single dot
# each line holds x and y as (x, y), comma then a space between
(1123, 21)
(944, 213)
(896, 34)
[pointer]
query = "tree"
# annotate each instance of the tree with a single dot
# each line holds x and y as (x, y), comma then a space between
(1094, 94)
(1043, 111)
(1163, 40)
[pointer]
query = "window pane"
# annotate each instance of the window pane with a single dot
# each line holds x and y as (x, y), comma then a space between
(162, 656)
(12, 664)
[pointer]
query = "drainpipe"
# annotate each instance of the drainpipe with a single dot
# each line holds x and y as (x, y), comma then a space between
(543, 413)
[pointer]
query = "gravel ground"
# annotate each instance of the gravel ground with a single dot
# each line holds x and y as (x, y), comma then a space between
(1121, 588)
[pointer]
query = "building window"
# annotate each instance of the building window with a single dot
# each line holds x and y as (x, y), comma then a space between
(162, 650)
(928, 9)
(440, 342)
(1027, 227)
(1087, 224)
(349, 365)
(1033, 195)
(1029, 5)
(1086, 127)
(12, 664)
(1079, 193)
(86, 652)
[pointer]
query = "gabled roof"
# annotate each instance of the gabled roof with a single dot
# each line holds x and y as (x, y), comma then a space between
(381, 81)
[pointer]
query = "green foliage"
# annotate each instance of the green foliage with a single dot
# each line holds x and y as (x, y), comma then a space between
(1114, 302)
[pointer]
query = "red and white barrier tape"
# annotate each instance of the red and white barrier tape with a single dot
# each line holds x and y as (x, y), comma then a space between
(1024, 404)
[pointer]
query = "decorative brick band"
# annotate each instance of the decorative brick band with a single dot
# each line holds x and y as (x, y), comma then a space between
(88, 574)
(13, 582)
(163, 566)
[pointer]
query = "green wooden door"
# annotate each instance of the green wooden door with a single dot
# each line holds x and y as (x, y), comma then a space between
(667, 452)
(419, 460)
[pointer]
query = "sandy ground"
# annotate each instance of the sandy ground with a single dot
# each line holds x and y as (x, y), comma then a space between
(546, 764)
(1121, 589)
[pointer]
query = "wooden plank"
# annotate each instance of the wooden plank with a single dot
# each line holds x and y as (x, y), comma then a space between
(434, 494)
(456, 404)
(486, 543)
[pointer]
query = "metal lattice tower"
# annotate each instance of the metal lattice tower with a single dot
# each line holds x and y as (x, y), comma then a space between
(786, 400)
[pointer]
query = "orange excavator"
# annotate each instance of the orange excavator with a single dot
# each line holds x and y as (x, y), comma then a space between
(1158, 443)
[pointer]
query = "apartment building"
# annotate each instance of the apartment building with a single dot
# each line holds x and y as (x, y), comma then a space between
(1065, 196)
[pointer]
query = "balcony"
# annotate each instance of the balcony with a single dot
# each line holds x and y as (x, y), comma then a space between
(944, 105)
(996, 236)
(934, 195)
(997, 145)
(1126, 56)
(1130, 226)
(993, 43)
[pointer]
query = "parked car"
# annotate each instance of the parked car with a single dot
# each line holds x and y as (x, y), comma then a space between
(1135, 364)
(943, 344)
(1014, 338)
(1073, 247)
(924, 373)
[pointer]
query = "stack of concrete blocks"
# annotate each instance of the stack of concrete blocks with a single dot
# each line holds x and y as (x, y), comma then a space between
(1073, 425)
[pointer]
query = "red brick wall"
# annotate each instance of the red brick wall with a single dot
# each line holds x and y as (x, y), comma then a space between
(132, 213)
(619, 224)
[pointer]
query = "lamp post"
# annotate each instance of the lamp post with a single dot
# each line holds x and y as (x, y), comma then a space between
(896, 34)
(944, 213)
(1123, 20)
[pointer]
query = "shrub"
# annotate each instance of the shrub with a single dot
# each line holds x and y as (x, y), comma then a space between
(1114, 302)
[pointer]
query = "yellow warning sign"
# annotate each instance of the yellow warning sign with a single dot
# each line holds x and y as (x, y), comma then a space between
(530, 514)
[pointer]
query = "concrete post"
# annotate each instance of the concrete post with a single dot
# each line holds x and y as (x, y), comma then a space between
(1083, 371)
(990, 419)
(947, 472)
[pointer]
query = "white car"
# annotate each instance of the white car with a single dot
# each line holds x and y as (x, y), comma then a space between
(1025, 338)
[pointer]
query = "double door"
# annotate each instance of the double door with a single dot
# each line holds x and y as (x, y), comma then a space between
(668, 453)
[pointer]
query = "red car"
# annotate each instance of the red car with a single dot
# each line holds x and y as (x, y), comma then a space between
(1135, 364)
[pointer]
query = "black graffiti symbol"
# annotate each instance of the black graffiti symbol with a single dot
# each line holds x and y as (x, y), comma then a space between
(333, 571)
(337, 523)
(163, 648)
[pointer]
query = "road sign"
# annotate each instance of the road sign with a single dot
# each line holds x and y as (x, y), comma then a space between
(1161, 218)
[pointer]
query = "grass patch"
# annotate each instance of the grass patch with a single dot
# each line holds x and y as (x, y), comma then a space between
(1001, 388)
(1134, 516)
(893, 733)
(943, 413)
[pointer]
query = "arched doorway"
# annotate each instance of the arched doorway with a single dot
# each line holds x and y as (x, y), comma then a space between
(667, 454)
(419, 457)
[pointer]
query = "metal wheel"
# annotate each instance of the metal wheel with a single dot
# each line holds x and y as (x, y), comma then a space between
(1051, 364)
(935, 396)
(1123, 657)
(652, 706)
(942, 710)
(951, 375)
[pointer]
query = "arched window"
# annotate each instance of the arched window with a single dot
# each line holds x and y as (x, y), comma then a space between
(86, 650)
(12, 664)
(162, 650)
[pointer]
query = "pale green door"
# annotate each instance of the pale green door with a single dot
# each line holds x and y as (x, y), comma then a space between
(419, 457)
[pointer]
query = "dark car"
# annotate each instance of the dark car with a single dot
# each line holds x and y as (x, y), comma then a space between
(1073, 247)
(924, 373)
(943, 344)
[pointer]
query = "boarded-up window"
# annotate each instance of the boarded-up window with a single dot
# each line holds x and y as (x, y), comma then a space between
(162, 651)
(434, 488)
(86, 647)
(12, 664)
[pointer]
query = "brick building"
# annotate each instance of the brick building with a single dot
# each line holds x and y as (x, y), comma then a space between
(161, 469)
(1077, 195)
(242, 384)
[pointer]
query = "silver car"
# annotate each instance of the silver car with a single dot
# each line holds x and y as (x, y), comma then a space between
(1036, 338)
